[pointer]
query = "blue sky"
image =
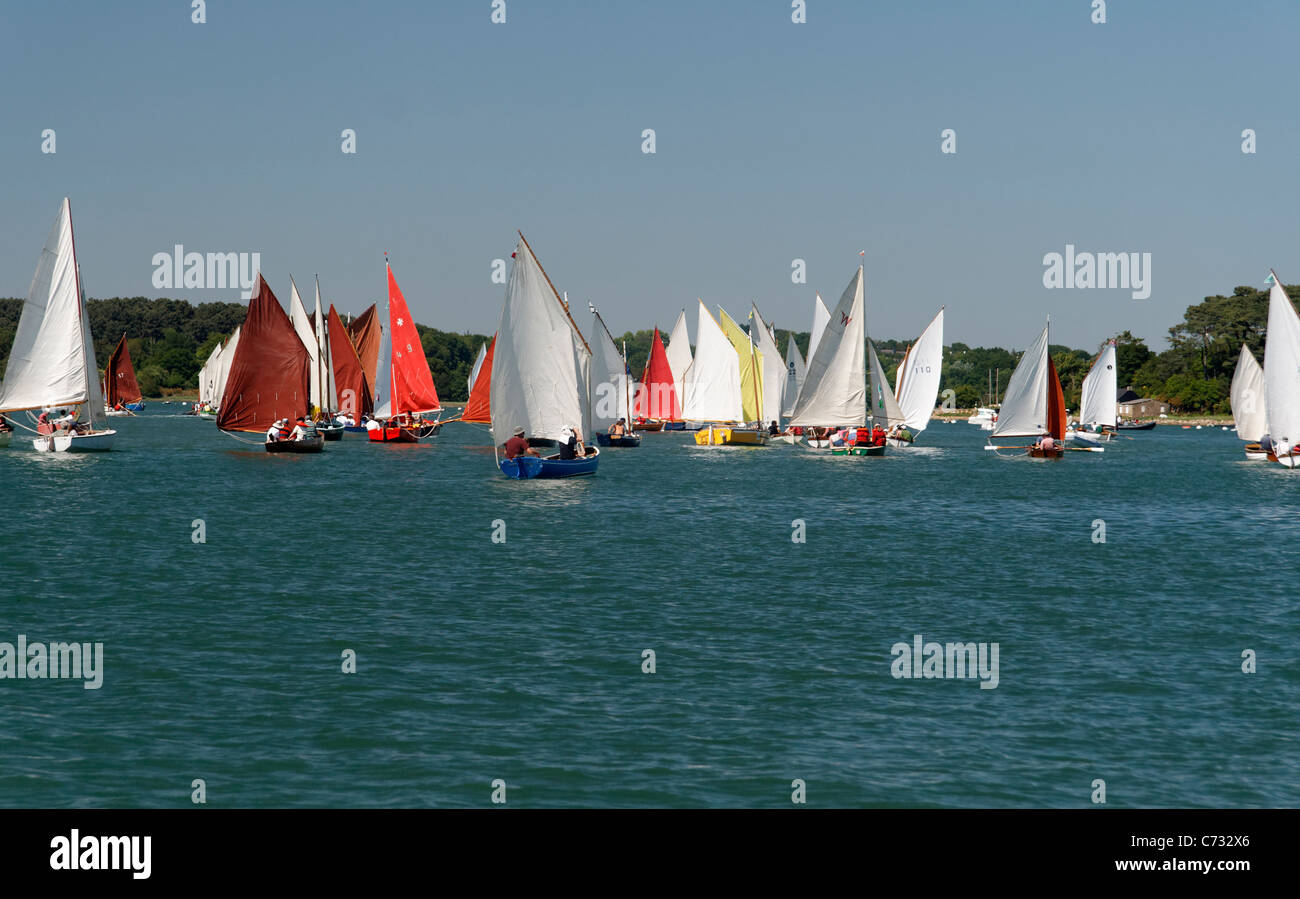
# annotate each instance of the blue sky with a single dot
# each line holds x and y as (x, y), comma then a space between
(775, 141)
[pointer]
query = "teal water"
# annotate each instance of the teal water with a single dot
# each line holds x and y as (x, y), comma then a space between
(522, 661)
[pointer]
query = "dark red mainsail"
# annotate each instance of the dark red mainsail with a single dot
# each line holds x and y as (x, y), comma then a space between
(349, 377)
(120, 385)
(270, 377)
(366, 337)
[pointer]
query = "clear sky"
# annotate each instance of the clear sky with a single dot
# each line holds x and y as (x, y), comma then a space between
(775, 141)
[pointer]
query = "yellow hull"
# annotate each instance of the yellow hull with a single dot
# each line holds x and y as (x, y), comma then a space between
(730, 437)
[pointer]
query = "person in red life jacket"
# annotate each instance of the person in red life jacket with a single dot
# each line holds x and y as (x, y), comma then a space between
(862, 437)
(518, 446)
(877, 436)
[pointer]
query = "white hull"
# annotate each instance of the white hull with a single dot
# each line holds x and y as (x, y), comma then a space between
(789, 439)
(1289, 461)
(894, 441)
(113, 413)
(99, 442)
(1256, 457)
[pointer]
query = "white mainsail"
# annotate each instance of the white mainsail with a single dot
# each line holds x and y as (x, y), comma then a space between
(94, 410)
(918, 376)
(1247, 392)
(679, 354)
(384, 371)
(1097, 401)
(478, 363)
(796, 371)
(208, 375)
(609, 381)
(1024, 405)
(539, 375)
(774, 373)
(712, 382)
(307, 334)
(835, 389)
(1282, 367)
(885, 412)
(48, 365)
(223, 370)
(820, 318)
(329, 392)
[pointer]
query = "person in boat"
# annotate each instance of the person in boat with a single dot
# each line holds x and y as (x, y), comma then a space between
(5, 427)
(571, 445)
(279, 430)
(773, 430)
(618, 428)
(1046, 443)
(68, 422)
(839, 438)
(301, 429)
(518, 446)
(371, 424)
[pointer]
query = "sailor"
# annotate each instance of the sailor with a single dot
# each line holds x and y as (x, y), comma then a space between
(299, 429)
(517, 445)
(1046, 443)
(371, 424)
(618, 429)
(568, 444)
(273, 432)
(773, 430)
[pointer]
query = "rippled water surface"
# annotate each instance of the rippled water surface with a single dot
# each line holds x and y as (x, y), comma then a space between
(522, 661)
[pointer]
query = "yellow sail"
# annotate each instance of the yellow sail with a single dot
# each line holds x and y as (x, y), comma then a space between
(751, 367)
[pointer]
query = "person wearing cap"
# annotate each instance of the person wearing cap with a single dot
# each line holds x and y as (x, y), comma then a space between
(618, 428)
(518, 446)
(273, 432)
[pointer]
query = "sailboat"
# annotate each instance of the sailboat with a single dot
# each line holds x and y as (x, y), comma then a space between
(541, 372)
(1248, 412)
(656, 404)
(917, 381)
(820, 319)
(1034, 405)
(796, 371)
(678, 358)
(208, 375)
(52, 363)
(834, 393)
(120, 385)
(351, 388)
(1097, 406)
(478, 408)
(404, 389)
(226, 360)
(612, 393)
(1282, 377)
(270, 374)
(714, 391)
(772, 369)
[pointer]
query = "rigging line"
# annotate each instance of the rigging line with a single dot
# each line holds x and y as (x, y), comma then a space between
(241, 439)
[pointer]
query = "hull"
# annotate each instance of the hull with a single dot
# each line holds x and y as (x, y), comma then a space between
(730, 437)
(788, 439)
(1056, 452)
(332, 432)
(674, 426)
(858, 451)
(99, 442)
(1255, 453)
(628, 441)
(522, 468)
(306, 445)
(1290, 460)
(1145, 426)
(1084, 438)
(136, 407)
(5, 438)
(393, 435)
(652, 425)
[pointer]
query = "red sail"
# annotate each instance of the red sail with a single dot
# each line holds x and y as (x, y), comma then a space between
(366, 337)
(120, 385)
(413, 389)
(349, 378)
(1055, 403)
(657, 397)
(479, 407)
(270, 376)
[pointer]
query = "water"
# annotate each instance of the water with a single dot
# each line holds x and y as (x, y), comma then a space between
(522, 661)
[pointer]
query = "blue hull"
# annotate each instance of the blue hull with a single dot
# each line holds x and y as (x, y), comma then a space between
(135, 407)
(527, 467)
(674, 426)
(606, 440)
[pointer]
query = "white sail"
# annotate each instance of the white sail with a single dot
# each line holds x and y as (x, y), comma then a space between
(307, 334)
(773, 370)
(325, 363)
(679, 354)
(918, 376)
(384, 372)
(478, 363)
(609, 381)
(885, 412)
(208, 375)
(835, 389)
(1247, 393)
(538, 376)
(796, 371)
(1282, 367)
(223, 371)
(1097, 402)
(47, 365)
(820, 318)
(711, 384)
(1024, 405)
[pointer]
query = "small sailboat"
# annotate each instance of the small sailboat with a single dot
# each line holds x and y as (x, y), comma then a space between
(796, 371)
(713, 388)
(52, 364)
(269, 379)
(1282, 377)
(917, 381)
(1034, 406)
(404, 389)
(772, 369)
(352, 388)
(1248, 412)
(478, 408)
(834, 394)
(541, 373)
(612, 387)
(656, 404)
(121, 390)
(1097, 406)
(678, 360)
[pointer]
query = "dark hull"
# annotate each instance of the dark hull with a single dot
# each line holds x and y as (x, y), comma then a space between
(528, 467)
(1145, 426)
(331, 432)
(306, 445)
(628, 441)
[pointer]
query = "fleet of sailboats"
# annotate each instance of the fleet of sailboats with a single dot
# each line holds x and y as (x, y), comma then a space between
(1034, 405)
(1098, 411)
(1247, 397)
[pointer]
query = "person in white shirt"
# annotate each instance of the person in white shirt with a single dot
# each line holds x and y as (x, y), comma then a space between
(372, 425)
(273, 432)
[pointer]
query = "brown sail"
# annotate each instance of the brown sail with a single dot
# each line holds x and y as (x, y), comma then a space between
(1056, 415)
(270, 376)
(120, 385)
(366, 337)
(479, 407)
(349, 378)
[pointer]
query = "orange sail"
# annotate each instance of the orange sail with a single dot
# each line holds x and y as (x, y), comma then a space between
(270, 376)
(479, 407)
(413, 389)
(349, 377)
(366, 337)
(120, 385)
(657, 396)
(1055, 403)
